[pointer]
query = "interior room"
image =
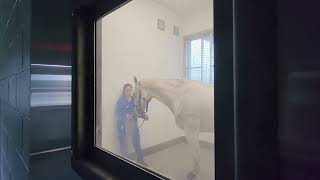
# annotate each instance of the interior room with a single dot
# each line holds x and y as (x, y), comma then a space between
(155, 39)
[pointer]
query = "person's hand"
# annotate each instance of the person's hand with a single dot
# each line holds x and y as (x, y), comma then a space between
(129, 116)
(145, 116)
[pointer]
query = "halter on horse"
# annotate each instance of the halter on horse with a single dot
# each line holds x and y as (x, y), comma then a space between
(138, 107)
(140, 111)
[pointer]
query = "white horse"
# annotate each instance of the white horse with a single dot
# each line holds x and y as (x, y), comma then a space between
(191, 103)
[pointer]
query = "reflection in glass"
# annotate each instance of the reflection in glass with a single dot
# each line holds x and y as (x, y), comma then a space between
(50, 85)
(154, 87)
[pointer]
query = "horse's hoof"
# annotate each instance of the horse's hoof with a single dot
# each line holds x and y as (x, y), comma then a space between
(191, 176)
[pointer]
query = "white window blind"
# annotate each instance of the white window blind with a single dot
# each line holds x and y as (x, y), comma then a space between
(199, 57)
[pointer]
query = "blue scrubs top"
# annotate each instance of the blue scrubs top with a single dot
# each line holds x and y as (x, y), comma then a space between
(124, 107)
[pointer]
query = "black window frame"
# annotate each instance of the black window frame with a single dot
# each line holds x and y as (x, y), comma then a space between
(91, 162)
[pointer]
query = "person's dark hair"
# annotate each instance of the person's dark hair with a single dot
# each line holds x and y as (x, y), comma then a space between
(125, 87)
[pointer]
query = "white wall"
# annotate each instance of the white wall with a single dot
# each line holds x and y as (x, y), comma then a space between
(132, 45)
(198, 21)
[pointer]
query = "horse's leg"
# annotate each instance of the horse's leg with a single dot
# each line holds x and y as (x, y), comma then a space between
(191, 129)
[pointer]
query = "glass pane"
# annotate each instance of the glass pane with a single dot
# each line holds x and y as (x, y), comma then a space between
(195, 74)
(154, 100)
(50, 85)
(195, 60)
(206, 62)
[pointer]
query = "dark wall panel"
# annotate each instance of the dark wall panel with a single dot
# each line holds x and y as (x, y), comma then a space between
(23, 88)
(299, 81)
(14, 88)
(50, 125)
(42, 166)
(23, 129)
(51, 32)
(256, 89)
(78, 3)
(53, 123)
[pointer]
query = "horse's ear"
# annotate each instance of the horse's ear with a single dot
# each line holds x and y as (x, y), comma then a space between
(135, 80)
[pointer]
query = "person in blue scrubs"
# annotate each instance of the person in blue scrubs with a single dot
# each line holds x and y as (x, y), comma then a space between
(125, 111)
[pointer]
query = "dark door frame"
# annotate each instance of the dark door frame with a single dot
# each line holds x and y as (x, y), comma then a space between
(245, 94)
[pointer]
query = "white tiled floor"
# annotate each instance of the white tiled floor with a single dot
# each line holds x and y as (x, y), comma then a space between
(175, 162)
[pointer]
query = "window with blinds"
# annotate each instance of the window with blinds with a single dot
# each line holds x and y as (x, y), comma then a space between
(199, 57)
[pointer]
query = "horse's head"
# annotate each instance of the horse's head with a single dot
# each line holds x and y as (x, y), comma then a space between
(141, 98)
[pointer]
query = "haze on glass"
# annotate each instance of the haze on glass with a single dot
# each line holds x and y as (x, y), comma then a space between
(155, 86)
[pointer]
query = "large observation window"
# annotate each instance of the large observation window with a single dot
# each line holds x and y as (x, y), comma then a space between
(154, 105)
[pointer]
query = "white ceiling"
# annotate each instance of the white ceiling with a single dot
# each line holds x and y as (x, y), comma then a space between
(186, 7)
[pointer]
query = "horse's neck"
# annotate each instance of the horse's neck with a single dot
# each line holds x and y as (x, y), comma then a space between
(161, 91)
